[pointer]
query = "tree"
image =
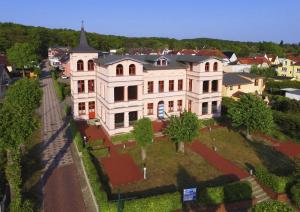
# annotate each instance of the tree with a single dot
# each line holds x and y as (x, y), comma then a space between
(183, 128)
(16, 126)
(252, 114)
(143, 133)
(22, 55)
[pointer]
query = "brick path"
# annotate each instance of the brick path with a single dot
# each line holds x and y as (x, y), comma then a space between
(222, 164)
(120, 168)
(61, 187)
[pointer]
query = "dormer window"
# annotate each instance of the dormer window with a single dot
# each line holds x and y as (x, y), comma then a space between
(162, 62)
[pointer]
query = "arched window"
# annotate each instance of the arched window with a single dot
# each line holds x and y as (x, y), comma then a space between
(91, 65)
(119, 70)
(215, 66)
(207, 66)
(132, 69)
(79, 65)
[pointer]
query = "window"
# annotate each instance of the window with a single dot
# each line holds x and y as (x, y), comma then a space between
(256, 82)
(239, 86)
(81, 108)
(180, 85)
(150, 108)
(207, 67)
(91, 86)
(119, 70)
(161, 86)
(179, 105)
(150, 87)
(132, 69)
(132, 117)
(79, 65)
(204, 108)
(163, 62)
(80, 86)
(119, 120)
(132, 92)
(191, 67)
(190, 105)
(214, 86)
(90, 65)
(190, 85)
(171, 85)
(171, 106)
(215, 66)
(119, 94)
(231, 88)
(205, 86)
(214, 107)
(91, 107)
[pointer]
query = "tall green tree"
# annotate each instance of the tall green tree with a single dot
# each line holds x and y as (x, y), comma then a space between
(22, 55)
(251, 114)
(143, 133)
(16, 126)
(183, 128)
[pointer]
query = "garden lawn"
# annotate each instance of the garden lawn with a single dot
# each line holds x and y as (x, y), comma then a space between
(234, 147)
(166, 167)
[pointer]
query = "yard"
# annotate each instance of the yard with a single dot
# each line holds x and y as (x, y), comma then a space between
(167, 169)
(234, 147)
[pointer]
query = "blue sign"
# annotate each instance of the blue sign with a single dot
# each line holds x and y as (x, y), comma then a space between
(189, 194)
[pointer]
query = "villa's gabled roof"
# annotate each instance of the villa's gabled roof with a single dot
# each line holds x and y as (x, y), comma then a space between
(228, 54)
(83, 46)
(174, 61)
(230, 79)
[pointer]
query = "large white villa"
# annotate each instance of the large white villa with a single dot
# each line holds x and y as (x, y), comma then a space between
(118, 90)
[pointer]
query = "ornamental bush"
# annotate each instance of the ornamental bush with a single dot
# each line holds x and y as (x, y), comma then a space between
(162, 203)
(276, 183)
(295, 193)
(237, 192)
(289, 123)
(213, 195)
(272, 205)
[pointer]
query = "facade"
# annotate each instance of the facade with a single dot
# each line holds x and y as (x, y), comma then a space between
(289, 67)
(260, 62)
(235, 84)
(56, 55)
(118, 90)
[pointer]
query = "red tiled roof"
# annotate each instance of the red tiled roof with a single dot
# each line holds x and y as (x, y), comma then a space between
(253, 60)
(295, 59)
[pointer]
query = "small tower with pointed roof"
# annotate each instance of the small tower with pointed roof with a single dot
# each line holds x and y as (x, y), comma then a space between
(83, 78)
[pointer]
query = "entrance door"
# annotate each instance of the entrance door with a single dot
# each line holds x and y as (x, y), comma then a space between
(92, 114)
(161, 110)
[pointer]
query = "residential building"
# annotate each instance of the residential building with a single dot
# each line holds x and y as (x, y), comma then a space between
(260, 62)
(231, 56)
(273, 59)
(56, 54)
(289, 67)
(118, 90)
(205, 52)
(235, 84)
(4, 80)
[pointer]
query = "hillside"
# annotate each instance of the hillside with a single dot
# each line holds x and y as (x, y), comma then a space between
(42, 38)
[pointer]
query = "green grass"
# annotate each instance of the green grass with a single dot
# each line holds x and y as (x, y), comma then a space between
(234, 147)
(122, 138)
(102, 152)
(32, 170)
(166, 167)
(95, 143)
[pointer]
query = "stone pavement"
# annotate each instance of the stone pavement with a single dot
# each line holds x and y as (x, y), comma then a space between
(60, 180)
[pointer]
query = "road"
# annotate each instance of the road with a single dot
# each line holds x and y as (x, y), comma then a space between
(60, 181)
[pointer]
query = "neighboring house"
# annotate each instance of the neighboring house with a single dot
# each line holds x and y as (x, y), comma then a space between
(260, 62)
(289, 67)
(236, 67)
(235, 84)
(118, 90)
(4, 80)
(56, 54)
(205, 52)
(65, 63)
(231, 56)
(273, 59)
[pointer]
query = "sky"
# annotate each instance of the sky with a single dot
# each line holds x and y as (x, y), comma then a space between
(243, 20)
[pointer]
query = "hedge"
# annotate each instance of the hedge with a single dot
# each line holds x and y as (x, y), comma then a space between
(288, 123)
(162, 203)
(276, 183)
(232, 192)
(272, 205)
(295, 193)
(58, 89)
(122, 138)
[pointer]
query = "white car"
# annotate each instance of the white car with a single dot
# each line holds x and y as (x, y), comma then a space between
(64, 77)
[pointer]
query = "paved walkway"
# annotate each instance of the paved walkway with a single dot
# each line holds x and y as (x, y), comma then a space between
(222, 164)
(61, 186)
(120, 168)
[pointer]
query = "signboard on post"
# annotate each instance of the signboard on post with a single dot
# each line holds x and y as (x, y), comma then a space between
(189, 194)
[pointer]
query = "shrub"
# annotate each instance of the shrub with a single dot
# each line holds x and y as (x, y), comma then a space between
(295, 193)
(272, 205)
(237, 191)
(213, 195)
(289, 123)
(162, 203)
(67, 110)
(58, 90)
(276, 183)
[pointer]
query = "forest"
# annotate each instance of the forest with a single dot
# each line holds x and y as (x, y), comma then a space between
(41, 38)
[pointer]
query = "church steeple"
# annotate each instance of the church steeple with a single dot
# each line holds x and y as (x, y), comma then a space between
(83, 46)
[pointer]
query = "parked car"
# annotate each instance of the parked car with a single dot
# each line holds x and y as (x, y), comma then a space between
(64, 77)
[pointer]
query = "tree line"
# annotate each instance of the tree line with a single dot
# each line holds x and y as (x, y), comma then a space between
(41, 38)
